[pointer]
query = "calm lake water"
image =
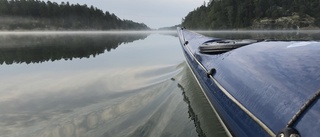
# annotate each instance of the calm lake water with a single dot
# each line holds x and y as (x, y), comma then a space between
(100, 84)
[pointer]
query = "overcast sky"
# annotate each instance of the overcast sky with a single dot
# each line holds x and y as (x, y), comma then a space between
(154, 13)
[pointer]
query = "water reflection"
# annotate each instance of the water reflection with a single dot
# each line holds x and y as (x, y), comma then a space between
(140, 101)
(99, 107)
(51, 47)
(199, 110)
(127, 92)
(192, 114)
(169, 33)
(94, 106)
(139, 89)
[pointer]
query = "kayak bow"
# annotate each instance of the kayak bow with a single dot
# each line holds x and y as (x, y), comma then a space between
(258, 88)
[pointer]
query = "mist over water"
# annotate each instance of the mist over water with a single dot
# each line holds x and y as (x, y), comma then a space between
(66, 84)
(265, 34)
(93, 84)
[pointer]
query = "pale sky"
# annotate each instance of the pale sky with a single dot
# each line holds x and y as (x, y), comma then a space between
(154, 13)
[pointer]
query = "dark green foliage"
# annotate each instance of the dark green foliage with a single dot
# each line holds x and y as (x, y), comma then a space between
(230, 14)
(35, 14)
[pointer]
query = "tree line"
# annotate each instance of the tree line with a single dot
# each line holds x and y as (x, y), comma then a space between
(230, 14)
(36, 14)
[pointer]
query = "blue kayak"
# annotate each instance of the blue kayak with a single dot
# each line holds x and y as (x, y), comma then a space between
(258, 87)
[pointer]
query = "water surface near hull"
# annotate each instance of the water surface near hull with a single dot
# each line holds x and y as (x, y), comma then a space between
(132, 89)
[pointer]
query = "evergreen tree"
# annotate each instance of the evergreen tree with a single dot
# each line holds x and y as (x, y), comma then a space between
(226, 14)
(51, 15)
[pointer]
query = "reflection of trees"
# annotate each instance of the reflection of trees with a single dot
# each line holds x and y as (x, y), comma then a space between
(192, 114)
(199, 110)
(37, 49)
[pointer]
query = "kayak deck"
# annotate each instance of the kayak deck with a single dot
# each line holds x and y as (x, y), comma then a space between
(258, 88)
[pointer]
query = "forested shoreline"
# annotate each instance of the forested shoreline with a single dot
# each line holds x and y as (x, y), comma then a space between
(39, 15)
(255, 14)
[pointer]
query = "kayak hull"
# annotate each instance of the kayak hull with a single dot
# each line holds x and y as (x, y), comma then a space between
(245, 97)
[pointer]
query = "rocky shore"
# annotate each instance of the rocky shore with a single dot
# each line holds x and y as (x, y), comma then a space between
(294, 21)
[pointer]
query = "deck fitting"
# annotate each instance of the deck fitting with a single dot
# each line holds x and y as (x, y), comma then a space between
(186, 43)
(211, 72)
(288, 132)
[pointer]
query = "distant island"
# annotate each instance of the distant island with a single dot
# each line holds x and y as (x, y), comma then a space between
(255, 14)
(170, 28)
(40, 15)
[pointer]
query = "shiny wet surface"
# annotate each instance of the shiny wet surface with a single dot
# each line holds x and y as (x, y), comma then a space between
(136, 84)
(103, 84)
